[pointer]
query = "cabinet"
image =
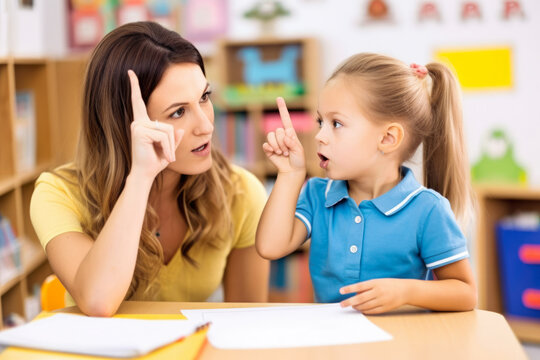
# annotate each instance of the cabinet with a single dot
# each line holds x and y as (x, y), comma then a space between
(55, 88)
(250, 75)
(495, 203)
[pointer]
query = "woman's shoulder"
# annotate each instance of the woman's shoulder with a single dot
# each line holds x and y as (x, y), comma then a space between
(242, 173)
(62, 177)
(245, 178)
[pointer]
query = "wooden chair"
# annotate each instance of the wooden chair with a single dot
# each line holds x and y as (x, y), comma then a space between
(52, 294)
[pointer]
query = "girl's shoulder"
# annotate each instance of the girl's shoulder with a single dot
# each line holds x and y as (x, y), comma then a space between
(430, 199)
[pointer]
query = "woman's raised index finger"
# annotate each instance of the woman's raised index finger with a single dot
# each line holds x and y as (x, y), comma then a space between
(137, 103)
(284, 113)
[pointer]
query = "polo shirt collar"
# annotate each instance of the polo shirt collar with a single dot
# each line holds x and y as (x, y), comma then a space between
(388, 203)
(336, 190)
(394, 200)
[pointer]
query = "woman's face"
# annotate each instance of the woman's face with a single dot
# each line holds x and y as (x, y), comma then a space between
(181, 99)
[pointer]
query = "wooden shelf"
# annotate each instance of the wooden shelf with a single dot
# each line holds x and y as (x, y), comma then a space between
(230, 74)
(7, 185)
(508, 192)
(496, 202)
(32, 256)
(8, 284)
(22, 178)
(56, 85)
(526, 330)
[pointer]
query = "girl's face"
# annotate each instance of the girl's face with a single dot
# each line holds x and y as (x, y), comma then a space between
(347, 142)
(182, 99)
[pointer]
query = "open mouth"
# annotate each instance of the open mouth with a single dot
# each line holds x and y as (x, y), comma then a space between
(324, 161)
(200, 148)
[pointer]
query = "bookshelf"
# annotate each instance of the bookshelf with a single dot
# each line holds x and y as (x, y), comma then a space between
(495, 203)
(249, 74)
(56, 86)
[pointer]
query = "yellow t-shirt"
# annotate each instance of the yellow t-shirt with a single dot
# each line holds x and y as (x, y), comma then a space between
(56, 208)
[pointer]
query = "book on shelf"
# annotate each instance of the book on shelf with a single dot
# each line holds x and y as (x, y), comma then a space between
(10, 251)
(25, 130)
(235, 137)
(290, 280)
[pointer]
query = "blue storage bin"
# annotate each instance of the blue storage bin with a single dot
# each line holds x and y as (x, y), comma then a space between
(519, 264)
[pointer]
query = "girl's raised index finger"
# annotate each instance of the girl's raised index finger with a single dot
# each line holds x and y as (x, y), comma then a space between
(137, 103)
(284, 113)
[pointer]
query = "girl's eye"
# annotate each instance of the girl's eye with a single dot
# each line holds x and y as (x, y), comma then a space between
(337, 124)
(206, 96)
(178, 113)
(319, 122)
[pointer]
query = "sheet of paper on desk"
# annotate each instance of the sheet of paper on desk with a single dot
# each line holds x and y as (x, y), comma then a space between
(97, 336)
(286, 326)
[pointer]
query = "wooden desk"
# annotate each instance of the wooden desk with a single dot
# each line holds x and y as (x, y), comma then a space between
(418, 334)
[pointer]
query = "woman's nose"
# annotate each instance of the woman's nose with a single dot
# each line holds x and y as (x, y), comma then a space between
(204, 125)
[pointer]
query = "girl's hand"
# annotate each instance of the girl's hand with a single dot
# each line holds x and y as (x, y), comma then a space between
(282, 147)
(153, 144)
(375, 296)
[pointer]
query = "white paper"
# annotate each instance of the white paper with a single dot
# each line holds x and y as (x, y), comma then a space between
(286, 326)
(97, 336)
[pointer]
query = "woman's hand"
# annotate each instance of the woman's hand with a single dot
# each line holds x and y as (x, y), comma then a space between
(153, 144)
(375, 296)
(282, 147)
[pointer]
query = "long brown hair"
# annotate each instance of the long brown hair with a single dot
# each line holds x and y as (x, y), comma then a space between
(103, 157)
(430, 109)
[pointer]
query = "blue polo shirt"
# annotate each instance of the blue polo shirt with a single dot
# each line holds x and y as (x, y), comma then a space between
(401, 234)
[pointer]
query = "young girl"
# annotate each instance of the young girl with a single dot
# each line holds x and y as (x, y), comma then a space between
(149, 210)
(376, 233)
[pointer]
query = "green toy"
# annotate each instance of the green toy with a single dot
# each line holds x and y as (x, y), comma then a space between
(497, 163)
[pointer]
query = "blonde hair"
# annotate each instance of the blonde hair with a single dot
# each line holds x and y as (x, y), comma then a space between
(103, 157)
(429, 108)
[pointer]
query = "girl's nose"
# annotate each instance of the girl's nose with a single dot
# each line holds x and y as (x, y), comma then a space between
(320, 137)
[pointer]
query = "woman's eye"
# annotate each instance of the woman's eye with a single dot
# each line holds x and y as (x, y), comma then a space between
(319, 122)
(206, 96)
(178, 113)
(337, 124)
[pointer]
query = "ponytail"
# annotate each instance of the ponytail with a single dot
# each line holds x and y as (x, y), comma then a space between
(445, 162)
(427, 101)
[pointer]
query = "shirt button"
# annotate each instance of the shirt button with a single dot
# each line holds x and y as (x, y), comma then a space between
(353, 249)
(357, 219)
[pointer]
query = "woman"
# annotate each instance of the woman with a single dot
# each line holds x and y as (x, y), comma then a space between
(149, 210)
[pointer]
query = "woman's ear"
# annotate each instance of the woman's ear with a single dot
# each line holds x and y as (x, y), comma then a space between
(392, 138)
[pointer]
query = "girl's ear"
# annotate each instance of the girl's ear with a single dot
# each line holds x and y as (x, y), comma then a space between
(392, 138)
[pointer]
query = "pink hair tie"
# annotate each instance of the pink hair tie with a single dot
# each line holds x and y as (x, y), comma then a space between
(419, 70)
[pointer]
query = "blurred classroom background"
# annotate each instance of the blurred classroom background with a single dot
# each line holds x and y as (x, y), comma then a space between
(255, 50)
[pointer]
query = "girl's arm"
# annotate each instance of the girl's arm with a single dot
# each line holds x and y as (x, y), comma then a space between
(246, 276)
(97, 273)
(455, 290)
(279, 232)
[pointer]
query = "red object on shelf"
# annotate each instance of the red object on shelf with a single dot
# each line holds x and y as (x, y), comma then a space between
(302, 121)
(530, 254)
(531, 298)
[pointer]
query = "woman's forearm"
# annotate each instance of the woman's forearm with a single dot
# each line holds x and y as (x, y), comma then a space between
(105, 273)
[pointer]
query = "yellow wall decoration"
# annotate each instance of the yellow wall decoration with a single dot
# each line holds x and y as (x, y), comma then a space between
(477, 69)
